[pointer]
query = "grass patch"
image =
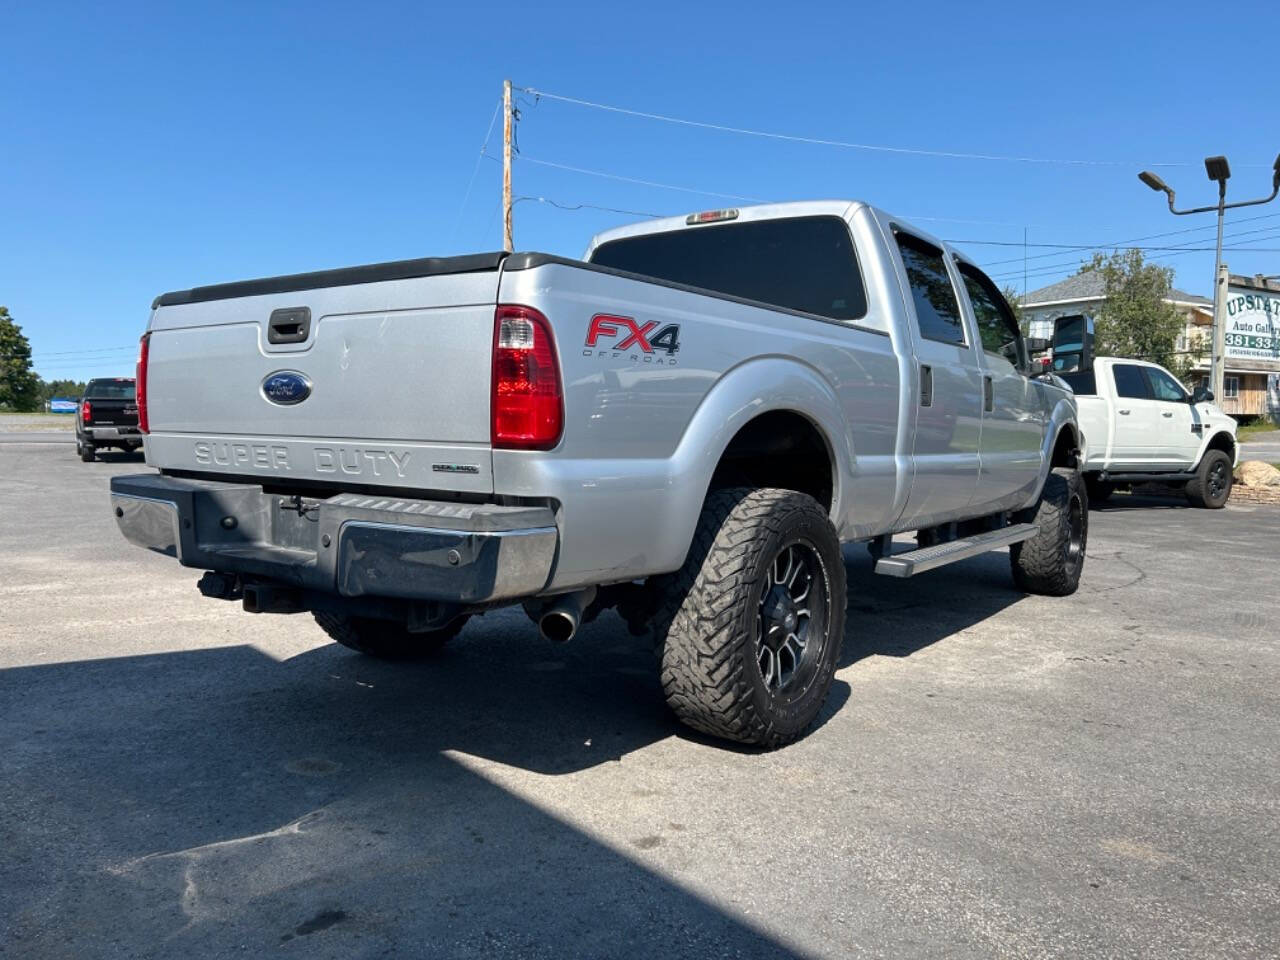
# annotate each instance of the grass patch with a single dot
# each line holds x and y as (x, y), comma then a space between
(1246, 432)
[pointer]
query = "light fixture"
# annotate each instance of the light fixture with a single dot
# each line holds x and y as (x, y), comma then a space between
(1217, 168)
(1155, 183)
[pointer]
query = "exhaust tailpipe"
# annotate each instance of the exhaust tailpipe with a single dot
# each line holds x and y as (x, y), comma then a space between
(560, 621)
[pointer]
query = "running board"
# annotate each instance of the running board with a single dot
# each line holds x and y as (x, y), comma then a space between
(1106, 477)
(926, 558)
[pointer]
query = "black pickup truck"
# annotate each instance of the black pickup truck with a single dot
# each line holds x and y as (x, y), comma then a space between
(108, 417)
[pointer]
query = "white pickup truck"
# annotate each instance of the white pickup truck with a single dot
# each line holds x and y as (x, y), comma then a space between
(685, 425)
(1141, 425)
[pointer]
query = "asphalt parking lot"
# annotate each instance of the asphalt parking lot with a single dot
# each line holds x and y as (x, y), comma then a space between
(994, 775)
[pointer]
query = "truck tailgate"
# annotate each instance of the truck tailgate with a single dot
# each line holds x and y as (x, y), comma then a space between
(112, 413)
(387, 380)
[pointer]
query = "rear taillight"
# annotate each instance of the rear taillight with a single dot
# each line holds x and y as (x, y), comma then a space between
(140, 387)
(86, 411)
(527, 403)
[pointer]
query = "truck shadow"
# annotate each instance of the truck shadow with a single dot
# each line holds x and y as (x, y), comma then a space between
(216, 801)
(892, 617)
(1146, 500)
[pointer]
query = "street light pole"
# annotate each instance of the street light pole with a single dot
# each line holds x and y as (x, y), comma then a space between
(1218, 170)
(1217, 362)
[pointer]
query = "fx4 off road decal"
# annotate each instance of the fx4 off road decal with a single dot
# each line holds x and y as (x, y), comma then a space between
(610, 336)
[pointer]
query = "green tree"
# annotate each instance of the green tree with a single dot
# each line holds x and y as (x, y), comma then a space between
(67, 389)
(19, 386)
(1014, 299)
(1136, 320)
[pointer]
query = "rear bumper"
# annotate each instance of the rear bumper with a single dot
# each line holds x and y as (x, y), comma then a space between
(113, 434)
(351, 545)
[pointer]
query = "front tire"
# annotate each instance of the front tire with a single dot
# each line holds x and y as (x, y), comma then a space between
(1211, 487)
(1051, 562)
(386, 639)
(759, 617)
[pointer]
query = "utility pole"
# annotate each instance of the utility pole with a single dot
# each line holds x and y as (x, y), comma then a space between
(506, 167)
(1219, 358)
(1219, 171)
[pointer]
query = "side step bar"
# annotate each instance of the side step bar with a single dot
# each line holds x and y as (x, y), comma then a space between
(926, 558)
(1106, 477)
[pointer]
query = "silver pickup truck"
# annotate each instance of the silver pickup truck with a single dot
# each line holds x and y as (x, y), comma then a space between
(685, 425)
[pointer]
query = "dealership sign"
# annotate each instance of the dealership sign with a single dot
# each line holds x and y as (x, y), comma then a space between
(1252, 329)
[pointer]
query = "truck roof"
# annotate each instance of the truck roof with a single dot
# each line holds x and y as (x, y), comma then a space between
(763, 211)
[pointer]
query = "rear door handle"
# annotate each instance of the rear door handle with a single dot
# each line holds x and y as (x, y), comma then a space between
(1123, 413)
(1166, 414)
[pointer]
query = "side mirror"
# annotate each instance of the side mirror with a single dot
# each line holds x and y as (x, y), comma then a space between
(1072, 343)
(1202, 394)
(1037, 345)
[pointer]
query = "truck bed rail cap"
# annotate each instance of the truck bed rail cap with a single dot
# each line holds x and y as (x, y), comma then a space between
(341, 277)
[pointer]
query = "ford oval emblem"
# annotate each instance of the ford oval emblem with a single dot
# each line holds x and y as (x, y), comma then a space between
(286, 387)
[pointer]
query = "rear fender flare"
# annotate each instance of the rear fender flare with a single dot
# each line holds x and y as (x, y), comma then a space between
(736, 399)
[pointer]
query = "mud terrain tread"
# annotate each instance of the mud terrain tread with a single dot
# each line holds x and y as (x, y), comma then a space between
(1038, 564)
(704, 670)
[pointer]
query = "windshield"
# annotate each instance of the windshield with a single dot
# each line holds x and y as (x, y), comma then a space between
(110, 389)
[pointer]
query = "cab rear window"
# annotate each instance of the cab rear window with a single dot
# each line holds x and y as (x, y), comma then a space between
(110, 389)
(1082, 383)
(799, 263)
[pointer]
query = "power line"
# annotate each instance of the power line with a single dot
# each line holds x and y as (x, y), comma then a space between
(1075, 266)
(1150, 236)
(1064, 265)
(590, 206)
(1128, 246)
(475, 170)
(523, 158)
(822, 141)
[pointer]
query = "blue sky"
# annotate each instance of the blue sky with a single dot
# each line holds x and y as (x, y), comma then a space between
(156, 147)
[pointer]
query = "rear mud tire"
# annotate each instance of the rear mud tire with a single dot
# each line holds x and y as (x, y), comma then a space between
(1211, 488)
(386, 639)
(87, 452)
(1051, 562)
(715, 674)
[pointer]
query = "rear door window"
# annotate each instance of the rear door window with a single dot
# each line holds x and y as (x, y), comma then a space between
(799, 263)
(937, 309)
(1129, 381)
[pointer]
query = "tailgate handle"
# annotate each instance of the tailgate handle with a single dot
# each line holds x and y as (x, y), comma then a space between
(289, 325)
